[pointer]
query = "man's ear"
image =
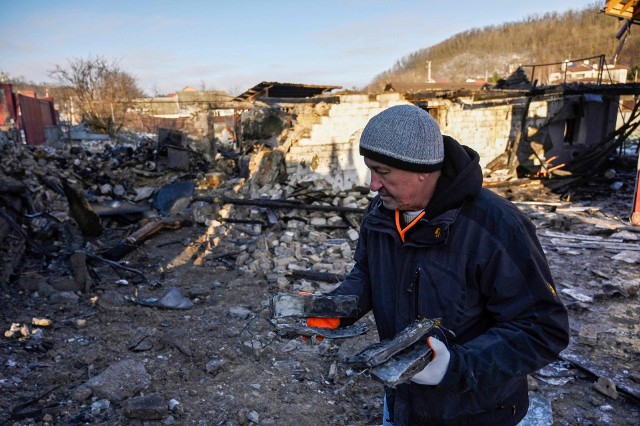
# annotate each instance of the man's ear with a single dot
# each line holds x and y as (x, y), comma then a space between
(423, 176)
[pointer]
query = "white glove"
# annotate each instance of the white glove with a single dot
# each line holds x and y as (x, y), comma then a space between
(433, 373)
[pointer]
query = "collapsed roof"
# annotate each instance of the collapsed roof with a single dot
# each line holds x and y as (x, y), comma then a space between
(284, 90)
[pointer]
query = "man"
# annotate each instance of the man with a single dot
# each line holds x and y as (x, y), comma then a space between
(433, 243)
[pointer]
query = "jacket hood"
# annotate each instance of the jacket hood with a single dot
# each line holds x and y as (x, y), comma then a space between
(461, 178)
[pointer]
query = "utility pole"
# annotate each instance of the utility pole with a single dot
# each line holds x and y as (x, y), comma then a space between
(429, 80)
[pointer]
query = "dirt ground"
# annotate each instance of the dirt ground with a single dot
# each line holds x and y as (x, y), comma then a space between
(221, 362)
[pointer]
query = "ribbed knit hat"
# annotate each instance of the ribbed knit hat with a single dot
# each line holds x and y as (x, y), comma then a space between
(405, 137)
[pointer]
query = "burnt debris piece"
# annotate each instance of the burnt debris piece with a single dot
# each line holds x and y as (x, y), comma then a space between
(380, 353)
(311, 305)
(85, 217)
(402, 366)
(289, 330)
(396, 360)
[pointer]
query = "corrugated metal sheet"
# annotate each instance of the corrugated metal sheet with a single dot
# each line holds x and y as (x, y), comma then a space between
(36, 115)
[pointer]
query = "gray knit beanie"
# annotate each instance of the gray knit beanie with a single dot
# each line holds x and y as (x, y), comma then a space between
(405, 137)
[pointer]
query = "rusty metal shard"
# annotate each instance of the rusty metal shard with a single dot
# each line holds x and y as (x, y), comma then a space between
(311, 305)
(380, 353)
(335, 333)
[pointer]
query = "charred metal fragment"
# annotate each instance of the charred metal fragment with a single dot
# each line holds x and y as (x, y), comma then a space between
(382, 352)
(401, 367)
(329, 333)
(311, 305)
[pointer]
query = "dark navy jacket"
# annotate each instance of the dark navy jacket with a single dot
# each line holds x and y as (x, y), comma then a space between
(475, 262)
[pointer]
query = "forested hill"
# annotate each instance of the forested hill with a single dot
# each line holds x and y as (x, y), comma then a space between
(495, 50)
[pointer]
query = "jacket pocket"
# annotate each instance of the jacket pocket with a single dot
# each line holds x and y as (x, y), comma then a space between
(440, 293)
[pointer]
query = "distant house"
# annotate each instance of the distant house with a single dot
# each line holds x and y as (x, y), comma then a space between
(183, 103)
(588, 72)
(205, 115)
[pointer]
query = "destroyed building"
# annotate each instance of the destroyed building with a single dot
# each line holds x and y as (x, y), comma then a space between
(152, 255)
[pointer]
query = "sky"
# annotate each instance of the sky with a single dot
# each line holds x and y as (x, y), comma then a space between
(234, 45)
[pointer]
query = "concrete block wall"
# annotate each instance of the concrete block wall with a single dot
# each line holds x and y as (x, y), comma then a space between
(330, 147)
(486, 130)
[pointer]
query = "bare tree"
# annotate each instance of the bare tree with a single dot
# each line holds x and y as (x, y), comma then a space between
(102, 91)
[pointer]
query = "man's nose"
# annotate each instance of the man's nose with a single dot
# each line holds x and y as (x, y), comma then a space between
(375, 184)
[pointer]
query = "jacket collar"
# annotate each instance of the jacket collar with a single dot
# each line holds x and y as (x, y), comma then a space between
(424, 233)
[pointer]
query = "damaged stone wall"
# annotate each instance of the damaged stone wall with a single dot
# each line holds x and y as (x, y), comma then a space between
(564, 127)
(319, 136)
(487, 129)
(325, 136)
(561, 128)
(209, 118)
(324, 140)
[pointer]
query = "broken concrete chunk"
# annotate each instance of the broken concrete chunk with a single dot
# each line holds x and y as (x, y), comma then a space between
(214, 366)
(174, 300)
(81, 393)
(143, 193)
(580, 297)
(353, 234)
(607, 387)
(253, 417)
(240, 312)
(141, 341)
(588, 335)
(318, 221)
(600, 274)
(120, 381)
(179, 339)
(106, 189)
(628, 256)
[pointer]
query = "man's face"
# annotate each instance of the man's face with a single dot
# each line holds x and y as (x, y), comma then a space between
(400, 189)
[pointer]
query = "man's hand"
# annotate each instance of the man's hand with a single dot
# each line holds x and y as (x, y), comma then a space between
(433, 373)
(322, 323)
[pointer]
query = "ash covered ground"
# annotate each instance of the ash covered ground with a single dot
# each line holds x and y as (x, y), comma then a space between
(94, 356)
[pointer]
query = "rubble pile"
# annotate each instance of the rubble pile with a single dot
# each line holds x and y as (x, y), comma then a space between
(123, 183)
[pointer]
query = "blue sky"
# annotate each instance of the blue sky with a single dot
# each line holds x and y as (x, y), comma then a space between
(233, 45)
